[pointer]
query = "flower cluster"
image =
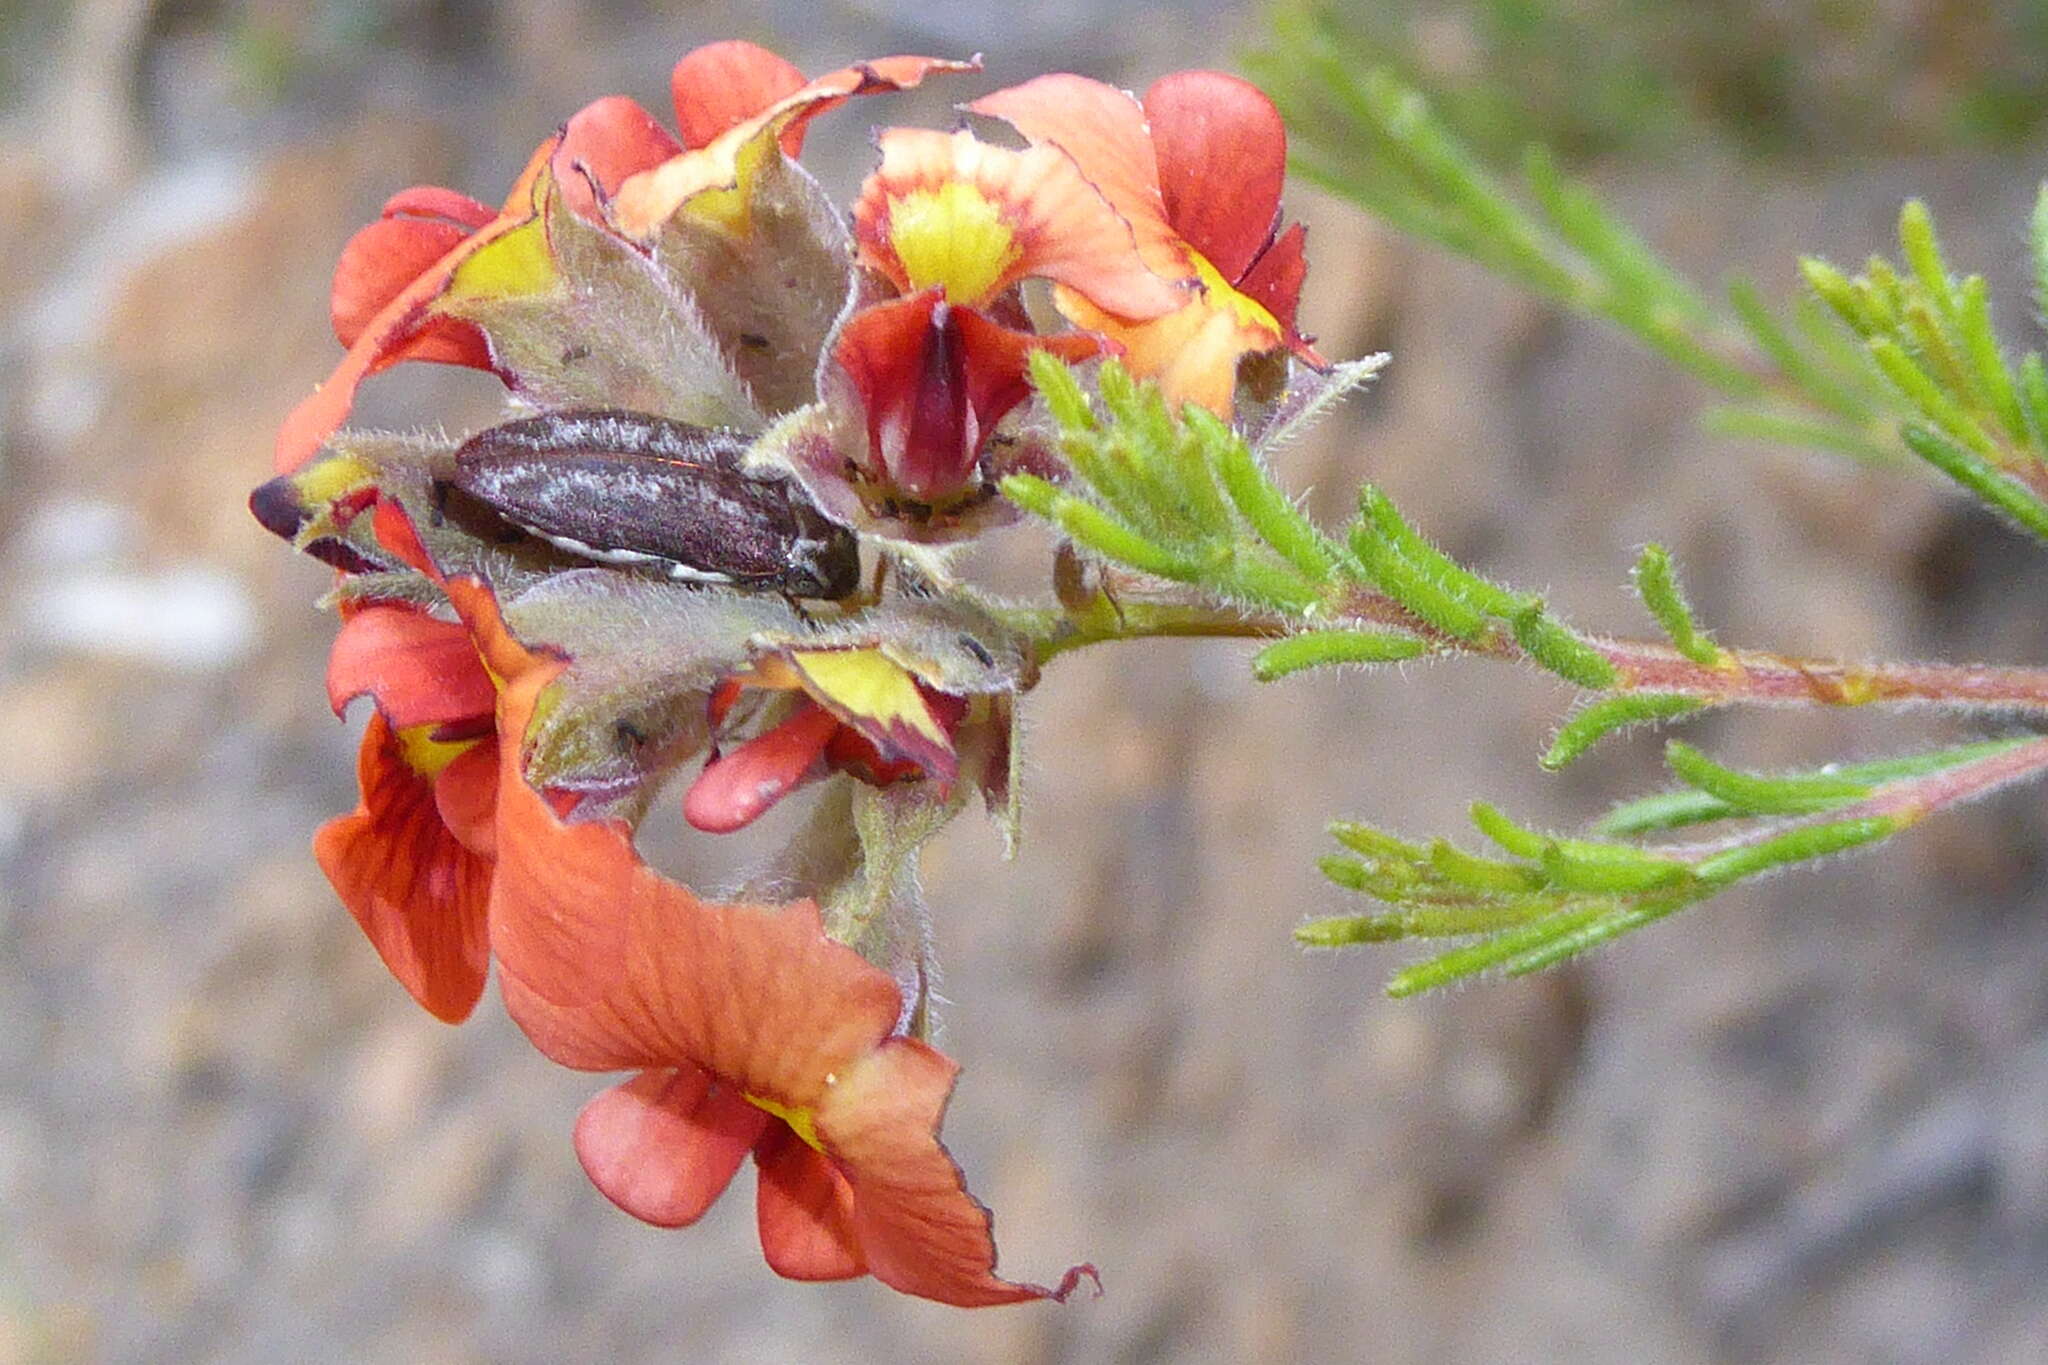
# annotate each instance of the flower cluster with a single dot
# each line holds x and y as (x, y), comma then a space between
(708, 362)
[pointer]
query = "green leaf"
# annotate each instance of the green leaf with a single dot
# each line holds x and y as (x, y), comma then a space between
(1446, 573)
(1517, 839)
(1550, 643)
(1316, 648)
(1595, 722)
(1657, 584)
(1060, 389)
(1269, 512)
(1475, 958)
(2037, 243)
(1756, 794)
(1794, 846)
(1923, 255)
(1094, 529)
(1987, 364)
(1413, 587)
(2005, 494)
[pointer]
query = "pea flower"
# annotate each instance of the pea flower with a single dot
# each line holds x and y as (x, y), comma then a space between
(1196, 169)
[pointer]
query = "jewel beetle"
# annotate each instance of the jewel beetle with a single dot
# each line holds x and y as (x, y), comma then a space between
(623, 487)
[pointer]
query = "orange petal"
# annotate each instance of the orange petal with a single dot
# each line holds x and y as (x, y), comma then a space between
(804, 1209)
(384, 338)
(920, 1230)
(721, 85)
(777, 1012)
(1222, 156)
(737, 788)
(420, 670)
(664, 1145)
(1103, 129)
(951, 210)
(418, 894)
(432, 201)
(558, 922)
(1193, 353)
(649, 199)
(466, 795)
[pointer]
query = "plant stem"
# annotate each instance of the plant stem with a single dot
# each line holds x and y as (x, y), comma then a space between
(1741, 677)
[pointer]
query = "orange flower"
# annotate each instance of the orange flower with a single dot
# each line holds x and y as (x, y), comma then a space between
(753, 1031)
(614, 164)
(1196, 170)
(956, 223)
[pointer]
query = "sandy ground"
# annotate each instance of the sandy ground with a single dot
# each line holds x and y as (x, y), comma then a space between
(1809, 1121)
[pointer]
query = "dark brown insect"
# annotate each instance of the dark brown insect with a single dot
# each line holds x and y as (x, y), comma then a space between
(627, 488)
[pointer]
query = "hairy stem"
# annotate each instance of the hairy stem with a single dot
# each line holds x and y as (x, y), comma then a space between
(1740, 677)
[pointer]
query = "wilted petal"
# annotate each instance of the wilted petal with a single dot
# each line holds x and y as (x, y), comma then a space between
(1221, 151)
(418, 893)
(804, 1209)
(664, 1145)
(604, 143)
(882, 700)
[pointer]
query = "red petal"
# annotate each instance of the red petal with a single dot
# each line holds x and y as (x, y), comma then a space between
(379, 262)
(664, 1145)
(721, 85)
(420, 670)
(466, 795)
(387, 338)
(735, 789)
(1222, 156)
(418, 894)
(605, 142)
(431, 201)
(933, 384)
(804, 1209)
(921, 1231)
(1275, 279)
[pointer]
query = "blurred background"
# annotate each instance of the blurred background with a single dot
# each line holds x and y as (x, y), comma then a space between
(1808, 1121)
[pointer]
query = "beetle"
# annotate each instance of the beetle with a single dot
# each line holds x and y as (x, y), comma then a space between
(624, 487)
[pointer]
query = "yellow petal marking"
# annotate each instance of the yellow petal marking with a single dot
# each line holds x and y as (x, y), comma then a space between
(426, 755)
(861, 682)
(801, 1121)
(516, 265)
(1247, 310)
(953, 236)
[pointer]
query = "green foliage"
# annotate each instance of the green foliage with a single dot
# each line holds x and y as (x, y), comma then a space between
(1552, 896)
(1184, 498)
(1597, 77)
(1903, 362)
